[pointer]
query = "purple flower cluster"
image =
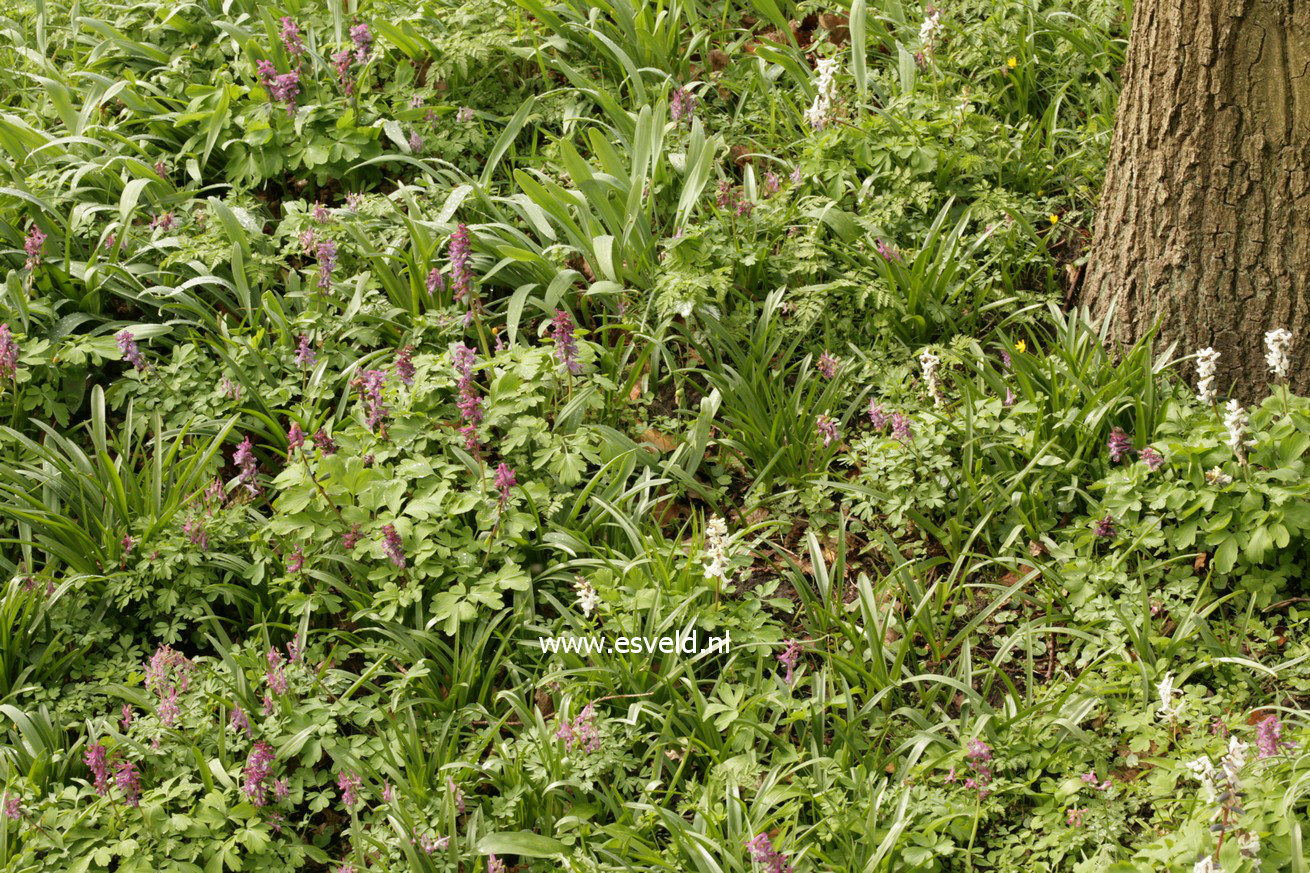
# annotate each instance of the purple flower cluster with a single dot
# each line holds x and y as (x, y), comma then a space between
(351, 538)
(168, 673)
(415, 141)
(363, 40)
(495, 865)
(465, 115)
(295, 438)
(164, 221)
(8, 353)
(323, 442)
(582, 732)
(566, 346)
(732, 198)
(341, 60)
(13, 806)
(1269, 737)
(505, 480)
(405, 365)
(1151, 458)
(129, 782)
(900, 423)
(240, 722)
(291, 37)
(435, 282)
(888, 253)
(393, 546)
(682, 104)
(244, 458)
(283, 88)
(1120, 445)
(258, 769)
(1105, 528)
(470, 404)
(370, 384)
(275, 676)
(762, 852)
(327, 262)
(97, 761)
(979, 756)
(33, 244)
(788, 657)
(349, 784)
(826, 426)
(827, 365)
(296, 562)
(461, 277)
(127, 345)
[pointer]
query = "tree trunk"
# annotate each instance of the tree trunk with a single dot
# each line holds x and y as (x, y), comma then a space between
(1204, 221)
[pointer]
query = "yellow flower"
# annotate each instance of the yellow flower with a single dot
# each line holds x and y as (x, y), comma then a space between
(1055, 219)
(1012, 62)
(1021, 346)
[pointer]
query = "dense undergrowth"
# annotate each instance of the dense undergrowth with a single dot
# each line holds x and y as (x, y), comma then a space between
(348, 351)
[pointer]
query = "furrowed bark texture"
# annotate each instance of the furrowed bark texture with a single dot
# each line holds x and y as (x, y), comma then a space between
(1204, 219)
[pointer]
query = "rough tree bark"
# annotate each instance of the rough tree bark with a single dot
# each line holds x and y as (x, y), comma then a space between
(1204, 219)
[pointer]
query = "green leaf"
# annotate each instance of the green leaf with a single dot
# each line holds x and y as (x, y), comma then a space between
(523, 843)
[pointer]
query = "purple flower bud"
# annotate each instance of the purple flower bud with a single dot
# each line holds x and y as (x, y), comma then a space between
(341, 60)
(415, 141)
(877, 415)
(296, 562)
(1105, 528)
(295, 437)
(1152, 458)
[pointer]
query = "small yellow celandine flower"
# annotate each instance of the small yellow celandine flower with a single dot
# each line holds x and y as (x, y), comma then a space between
(1021, 346)
(1012, 62)
(1055, 219)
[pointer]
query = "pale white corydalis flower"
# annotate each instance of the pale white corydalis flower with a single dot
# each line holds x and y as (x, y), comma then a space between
(1235, 420)
(1277, 344)
(820, 111)
(1207, 864)
(587, 598)
(932, 26)
(1168, 709)
(1207, 360)
(1203, 771)
(716, 549)
(930, 363)
(1217, 477)
(1233, 762)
